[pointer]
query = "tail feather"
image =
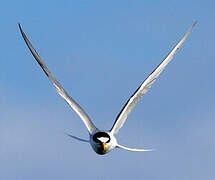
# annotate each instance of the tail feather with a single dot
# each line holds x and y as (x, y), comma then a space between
(77, 138)
(132, 149)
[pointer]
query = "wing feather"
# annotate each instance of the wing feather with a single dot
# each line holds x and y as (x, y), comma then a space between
(146, 85)
(75, 106)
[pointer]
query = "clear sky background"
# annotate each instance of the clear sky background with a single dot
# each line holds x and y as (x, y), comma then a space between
(101, 51)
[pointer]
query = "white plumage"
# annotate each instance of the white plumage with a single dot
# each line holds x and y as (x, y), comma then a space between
(103, 142)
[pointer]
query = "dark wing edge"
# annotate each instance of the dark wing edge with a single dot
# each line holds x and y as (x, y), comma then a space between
(145, 86)
(75, 106)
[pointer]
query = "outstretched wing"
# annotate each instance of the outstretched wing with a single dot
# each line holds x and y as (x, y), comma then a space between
(75, 106)
(145, 86)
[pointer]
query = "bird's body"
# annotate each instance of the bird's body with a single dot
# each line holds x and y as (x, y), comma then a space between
(103, 142)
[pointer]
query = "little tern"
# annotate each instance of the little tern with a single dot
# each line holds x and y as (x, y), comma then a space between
(101, 141)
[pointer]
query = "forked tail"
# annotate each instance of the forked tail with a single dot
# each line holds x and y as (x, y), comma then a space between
(131, 149)
(77, 138)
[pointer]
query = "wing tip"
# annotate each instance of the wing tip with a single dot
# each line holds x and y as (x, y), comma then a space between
(20, 27)
(195, 22)
(193, 25)
(22, 32)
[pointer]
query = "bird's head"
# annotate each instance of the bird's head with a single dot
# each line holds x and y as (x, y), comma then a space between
(101, 140)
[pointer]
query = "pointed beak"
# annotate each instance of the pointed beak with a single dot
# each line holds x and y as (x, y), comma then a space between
(104, 146)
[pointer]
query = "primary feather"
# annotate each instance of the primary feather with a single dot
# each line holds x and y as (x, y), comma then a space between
(145, 86)
(75, 106)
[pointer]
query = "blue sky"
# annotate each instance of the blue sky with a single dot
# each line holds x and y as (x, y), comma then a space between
(101, 51)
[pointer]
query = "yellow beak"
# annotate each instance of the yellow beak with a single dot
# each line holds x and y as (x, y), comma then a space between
(104, 146)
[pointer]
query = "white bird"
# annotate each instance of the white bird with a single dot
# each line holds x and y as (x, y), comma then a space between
(103, 142)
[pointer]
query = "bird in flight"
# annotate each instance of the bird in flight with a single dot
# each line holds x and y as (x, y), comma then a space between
(101, 141)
